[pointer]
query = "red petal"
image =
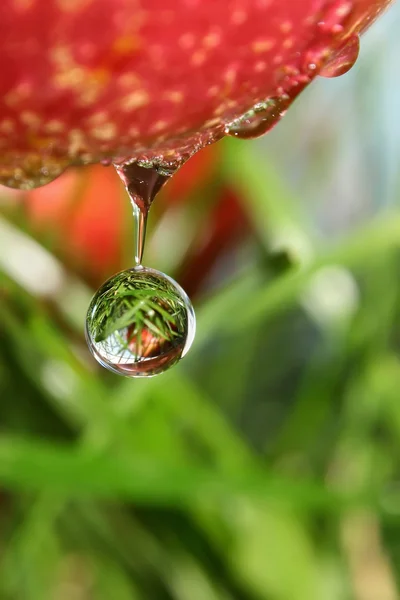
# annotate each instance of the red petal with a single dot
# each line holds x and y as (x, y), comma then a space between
(86, 79)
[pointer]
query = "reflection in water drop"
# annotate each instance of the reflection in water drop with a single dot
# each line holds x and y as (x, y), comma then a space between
(140, 323)
(343, 60)
(260, 119)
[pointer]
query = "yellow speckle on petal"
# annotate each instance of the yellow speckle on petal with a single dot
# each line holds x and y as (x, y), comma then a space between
(288, 43)
(7, 126)
(198, 58)
(61, 56)
(230, 75)
(286, 26)
(88, 97)
(97, 118)
(11, 98)
(89, 91)
(260, 66)
(238, 17)
(30, 119)
(344, 10)
(77, 142)
(127, 44)
(212, 40)
(54, 126)
(105, 132)
(262, 45)
(310, 20)
(128, 80)
(159, 126)
(134, 100)
(17, 94)
(220, 109)
(70, 78)
(174, 96)
(213, 91)
(71, 6)
(212, 123)
(69, 75)
(99, 76)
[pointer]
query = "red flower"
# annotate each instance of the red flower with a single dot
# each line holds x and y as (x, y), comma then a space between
(86, 79)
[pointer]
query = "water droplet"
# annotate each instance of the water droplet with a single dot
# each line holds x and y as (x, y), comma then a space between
(329, 44)
(30, 171)
(260, 119)
(140, 323)
(343, 60)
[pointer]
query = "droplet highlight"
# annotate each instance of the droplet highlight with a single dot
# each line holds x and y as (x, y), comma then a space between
(140, 323)
(260, 119)
(343, 60)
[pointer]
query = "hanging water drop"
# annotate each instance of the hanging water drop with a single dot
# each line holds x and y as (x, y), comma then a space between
(343, 60)
(258, 120)
(140, 322)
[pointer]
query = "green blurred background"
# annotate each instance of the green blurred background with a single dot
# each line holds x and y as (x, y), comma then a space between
(266, 465)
